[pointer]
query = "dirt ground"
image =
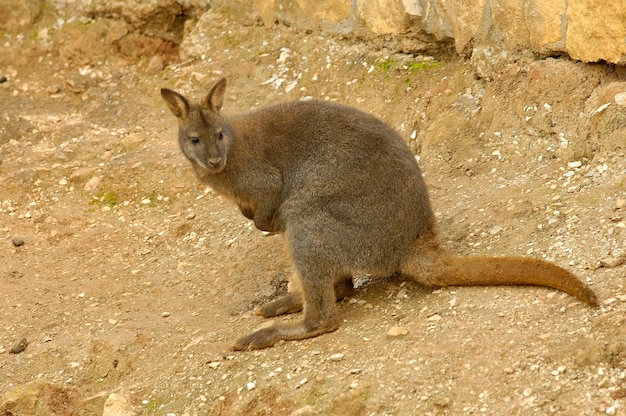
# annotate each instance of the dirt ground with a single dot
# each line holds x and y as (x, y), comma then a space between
(130, 281)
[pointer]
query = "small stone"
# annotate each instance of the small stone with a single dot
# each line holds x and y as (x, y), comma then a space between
(620, 203)
(112, 322)
(396, 331)
(53, 89)
(155, 65)
(82, 173)
(19, 347)
(576, 164)
(92, 183)
(620, 99)
(336, 357)
(495, 230)
(165, 314)
(118, 404)
(434, 318)
(133, 140)
(610, 262)
(251, 385)
(18, 242)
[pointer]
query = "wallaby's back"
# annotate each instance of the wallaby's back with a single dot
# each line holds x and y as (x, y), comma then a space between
(348, 173)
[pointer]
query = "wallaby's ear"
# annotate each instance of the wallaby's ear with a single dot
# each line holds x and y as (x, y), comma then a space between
(179, 106)
(215, 98)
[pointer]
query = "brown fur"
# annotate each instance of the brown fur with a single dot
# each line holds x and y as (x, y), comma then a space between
(349, 196)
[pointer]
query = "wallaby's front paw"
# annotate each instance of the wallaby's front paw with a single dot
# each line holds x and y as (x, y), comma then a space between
(290, 303)
(262, 338)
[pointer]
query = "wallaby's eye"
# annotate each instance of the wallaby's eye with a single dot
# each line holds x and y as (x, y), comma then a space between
(194, 140)
(220, 136)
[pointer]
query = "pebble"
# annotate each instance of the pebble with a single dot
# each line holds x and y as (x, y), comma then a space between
(610, 262)
(82, 173)
(92, 183)
(18, 242)
(434, 318)
(336, 357)
(19, 347)
(396, 331)
(251, 385)
(165, 314)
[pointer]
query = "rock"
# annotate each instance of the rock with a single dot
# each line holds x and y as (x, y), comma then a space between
(382, 17)
(19, 14)
(37, 399)
(610, 261)
(596, 31)
(330, 15)
(82, 173)
(133, 140)
(92, 184)
(18, 242)
(587, 30)
(396, 331)
(620, 99)
(19, 347)
(303, 411)
(162, 18)
(336, 357)
(155, 65)
(118, 404)
(434, 318)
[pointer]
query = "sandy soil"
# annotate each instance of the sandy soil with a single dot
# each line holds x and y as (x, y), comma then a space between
(130, 280)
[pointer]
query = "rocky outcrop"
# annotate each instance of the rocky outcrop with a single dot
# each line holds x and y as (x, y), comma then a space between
(158, 18)
(586, 30)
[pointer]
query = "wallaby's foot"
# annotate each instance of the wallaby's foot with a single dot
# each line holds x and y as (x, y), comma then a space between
(344, 288)
(292, 302)
(266, 337)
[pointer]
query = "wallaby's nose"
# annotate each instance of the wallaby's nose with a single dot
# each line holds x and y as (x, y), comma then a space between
(215, 161)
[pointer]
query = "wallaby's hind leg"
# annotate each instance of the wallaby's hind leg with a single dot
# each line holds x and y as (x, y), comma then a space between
(320, 308)
(292, 301)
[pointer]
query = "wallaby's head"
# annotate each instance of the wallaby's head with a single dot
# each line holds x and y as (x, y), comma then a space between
(203, 135)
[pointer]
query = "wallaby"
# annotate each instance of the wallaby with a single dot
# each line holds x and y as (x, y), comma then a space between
(347, 193)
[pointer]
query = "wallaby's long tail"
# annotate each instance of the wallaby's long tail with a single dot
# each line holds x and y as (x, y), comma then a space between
(492, 271)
